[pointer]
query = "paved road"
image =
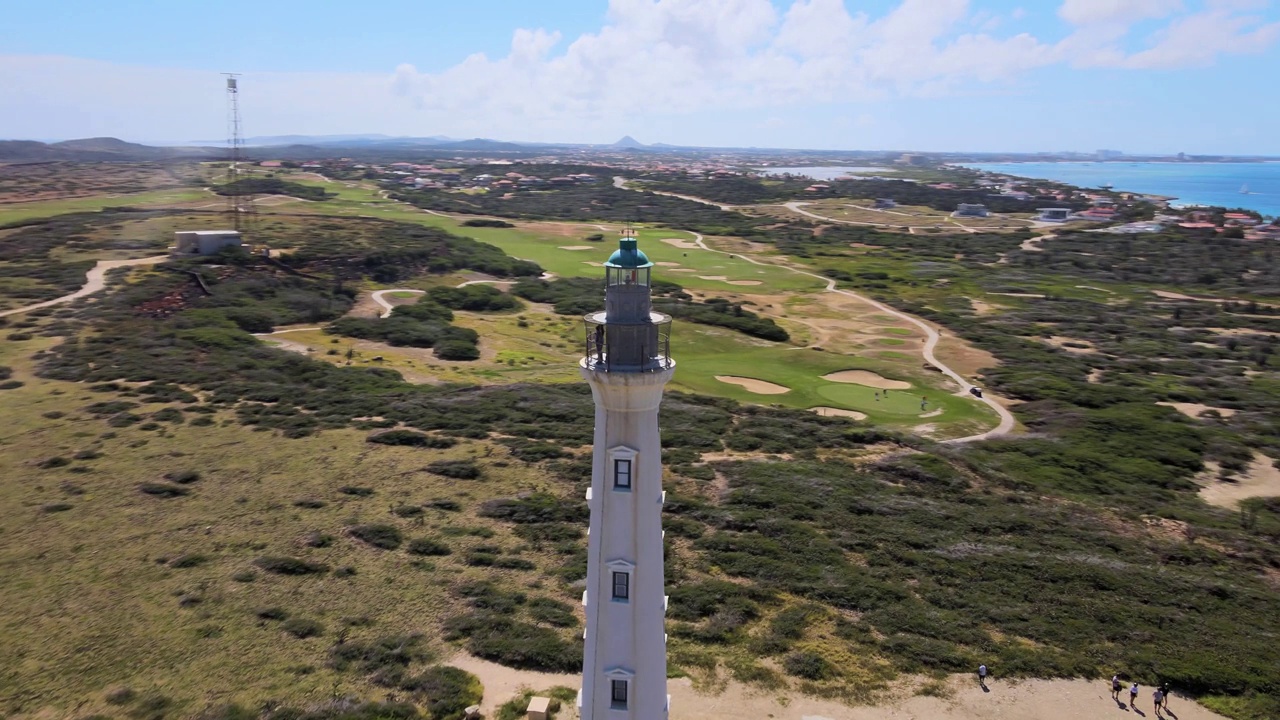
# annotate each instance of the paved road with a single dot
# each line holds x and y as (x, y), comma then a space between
(621, 184)
(95, 280)
(932, 337)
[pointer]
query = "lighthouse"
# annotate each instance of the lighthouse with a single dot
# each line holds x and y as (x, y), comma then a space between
(627, 362)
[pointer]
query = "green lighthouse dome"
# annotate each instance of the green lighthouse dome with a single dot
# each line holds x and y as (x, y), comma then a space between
(628, 255)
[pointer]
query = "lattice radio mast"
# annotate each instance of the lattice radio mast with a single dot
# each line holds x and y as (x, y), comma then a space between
(240, 206)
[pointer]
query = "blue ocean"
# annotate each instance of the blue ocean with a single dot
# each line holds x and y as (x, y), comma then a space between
(1190, 183)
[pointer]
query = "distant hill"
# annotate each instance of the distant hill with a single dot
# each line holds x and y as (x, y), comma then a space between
(97, 149)
(628, 142)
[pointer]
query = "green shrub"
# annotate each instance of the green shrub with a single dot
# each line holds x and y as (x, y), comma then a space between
(548, 532)
(449, 691)
(188, 560)
(164, 490)
(319, 540)
(56, 507)
(456, 350)
(458, 469)
(281, 565)
(383, 536)
(515, 644)
(411, 438)
(302, 627)
(486, 223)
(54, 462)
(446, 504)
(10, 384)
(808, 665)
(475, 298)
(309, 503)
(273, 613)
(184, 477)
(536, 508)
(427, 546)
(356, 491)
(377, 654)
(552, 612)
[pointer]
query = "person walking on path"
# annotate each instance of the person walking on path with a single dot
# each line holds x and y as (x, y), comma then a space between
(982, 676)
(1164, 694)
(1133, 695)
(1115, 688)
(1158, 697)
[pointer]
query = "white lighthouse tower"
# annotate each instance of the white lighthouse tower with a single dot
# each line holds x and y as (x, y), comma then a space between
(628, 361)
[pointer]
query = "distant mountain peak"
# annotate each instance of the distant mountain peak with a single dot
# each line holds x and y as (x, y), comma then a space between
(628, 141)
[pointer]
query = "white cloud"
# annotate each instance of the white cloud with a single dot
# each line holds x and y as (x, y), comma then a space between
(657, 59)
(1197, 40)
(1123, 12)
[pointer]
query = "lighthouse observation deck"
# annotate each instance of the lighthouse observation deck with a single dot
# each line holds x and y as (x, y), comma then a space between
(628, 337)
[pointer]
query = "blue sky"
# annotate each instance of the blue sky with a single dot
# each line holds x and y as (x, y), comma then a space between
(980, 75)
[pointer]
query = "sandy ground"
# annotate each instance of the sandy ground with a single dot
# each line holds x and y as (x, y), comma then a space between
(1025, 295)
(983, 308)
(713, 277)
(1179, 296)
(1261, 480)
(1095, 375)
(1060, 342)
(838, 412)
(1193, 410)
(682, 243)
(745, 282)
(576, 247)
(868, 378)
(759, 387)
(964, 700)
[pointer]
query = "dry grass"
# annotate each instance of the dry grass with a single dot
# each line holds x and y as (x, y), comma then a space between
(90, 601)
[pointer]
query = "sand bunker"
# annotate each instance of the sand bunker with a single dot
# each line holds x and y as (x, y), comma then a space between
(682, 270)
(1061, 343)
(931, 413)
(760, 387)
(1193, 410)
(712, 277)
(868, 378)
(745, 282)
(838, 412)
(1261, 480)
(667, 264)
(592, 264)
(576, 247)
(681, 243)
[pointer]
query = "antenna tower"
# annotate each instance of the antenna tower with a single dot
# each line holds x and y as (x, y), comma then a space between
(240, 206)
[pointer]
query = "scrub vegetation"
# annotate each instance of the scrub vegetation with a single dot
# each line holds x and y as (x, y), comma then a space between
(326, 535)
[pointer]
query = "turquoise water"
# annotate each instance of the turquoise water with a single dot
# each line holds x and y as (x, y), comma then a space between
(1190, 183)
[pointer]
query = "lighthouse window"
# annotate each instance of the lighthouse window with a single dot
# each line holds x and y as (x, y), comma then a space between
(619, 696)
(621, 586)
(622, 474)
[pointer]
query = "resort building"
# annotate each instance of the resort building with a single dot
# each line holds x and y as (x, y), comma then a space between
(1054, 214)
(204, 242)
(971, 210)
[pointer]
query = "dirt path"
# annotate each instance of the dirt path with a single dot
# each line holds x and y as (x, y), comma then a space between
(387, 307)
(932, 337)
(621, 184)
(95, 280)
(961, 699)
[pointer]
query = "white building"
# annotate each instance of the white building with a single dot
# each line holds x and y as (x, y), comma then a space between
(204, 242)
(627, 363)
(971, 210)
(1054, 214)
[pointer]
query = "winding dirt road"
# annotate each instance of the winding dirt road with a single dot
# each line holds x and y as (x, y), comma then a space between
(95, 280)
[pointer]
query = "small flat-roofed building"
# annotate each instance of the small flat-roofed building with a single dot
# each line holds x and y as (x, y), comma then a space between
(1054, 214)
(539, 708)
(884, 203)
(204, 242)
(971, 210)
